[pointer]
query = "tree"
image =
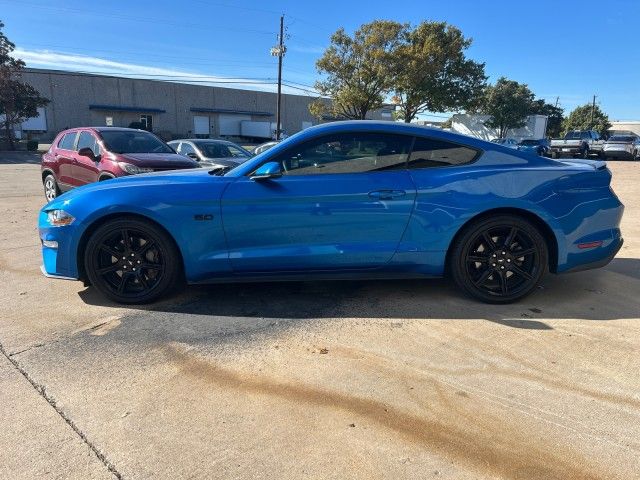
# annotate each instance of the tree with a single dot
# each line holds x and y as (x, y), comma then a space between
(359, 69)
(580, 119)
(508, 103)
(18, 100)
(555, 116)
(433, 73)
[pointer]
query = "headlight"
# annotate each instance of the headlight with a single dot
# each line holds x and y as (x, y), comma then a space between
(59, 218)
(133, 169)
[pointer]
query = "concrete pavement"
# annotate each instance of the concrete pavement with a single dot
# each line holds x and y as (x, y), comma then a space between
(317, 380)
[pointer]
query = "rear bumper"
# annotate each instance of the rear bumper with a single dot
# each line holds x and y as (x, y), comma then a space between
(609, 255)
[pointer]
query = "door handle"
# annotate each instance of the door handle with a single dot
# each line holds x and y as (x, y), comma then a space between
(387, 194)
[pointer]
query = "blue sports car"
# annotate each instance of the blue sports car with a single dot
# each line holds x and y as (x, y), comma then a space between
(344, 200)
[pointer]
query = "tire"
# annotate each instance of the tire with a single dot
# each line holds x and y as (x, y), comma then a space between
(585, 153)
(51, 189)
(499, 259)
(132, 261)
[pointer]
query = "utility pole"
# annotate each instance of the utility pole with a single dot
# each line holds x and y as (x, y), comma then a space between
(557, 100)
(593, 107)
(279, 51)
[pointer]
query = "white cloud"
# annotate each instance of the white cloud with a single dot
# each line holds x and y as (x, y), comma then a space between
(84, 63)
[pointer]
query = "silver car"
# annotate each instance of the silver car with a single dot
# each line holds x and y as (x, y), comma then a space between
(622, 147)
(212, 153)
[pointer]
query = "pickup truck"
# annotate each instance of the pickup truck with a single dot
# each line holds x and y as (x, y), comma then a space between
(578, 143)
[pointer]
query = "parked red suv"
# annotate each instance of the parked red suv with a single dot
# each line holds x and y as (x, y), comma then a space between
(84, 155)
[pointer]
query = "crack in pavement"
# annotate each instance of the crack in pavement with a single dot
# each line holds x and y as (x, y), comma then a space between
(51, 401)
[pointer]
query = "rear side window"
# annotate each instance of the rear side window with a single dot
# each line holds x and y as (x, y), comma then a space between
(429, 152)
(87, 140)
(67, 142)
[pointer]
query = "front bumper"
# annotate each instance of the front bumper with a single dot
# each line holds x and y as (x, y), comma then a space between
(618, 154)
(50, 275)
(60, 261)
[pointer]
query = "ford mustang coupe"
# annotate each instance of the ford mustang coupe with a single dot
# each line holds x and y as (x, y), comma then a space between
(344, 200)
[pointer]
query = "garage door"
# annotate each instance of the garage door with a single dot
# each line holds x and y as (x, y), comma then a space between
(230, 123)
(200, 125)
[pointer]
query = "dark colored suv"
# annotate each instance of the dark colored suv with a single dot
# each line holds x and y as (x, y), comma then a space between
(84, 155)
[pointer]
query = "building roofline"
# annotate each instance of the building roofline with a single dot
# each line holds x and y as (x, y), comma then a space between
(173, 82)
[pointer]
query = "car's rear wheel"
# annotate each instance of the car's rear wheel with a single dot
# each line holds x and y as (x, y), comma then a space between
(51, 189)
(132, 261)
(500, 259)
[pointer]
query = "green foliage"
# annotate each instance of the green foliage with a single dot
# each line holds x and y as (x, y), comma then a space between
(580, 119)
(359, 68)
(432, 72)
(508, 103)
(555, 116)
(18, 100)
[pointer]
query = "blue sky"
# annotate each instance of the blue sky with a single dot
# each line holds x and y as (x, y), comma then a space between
(567, 49)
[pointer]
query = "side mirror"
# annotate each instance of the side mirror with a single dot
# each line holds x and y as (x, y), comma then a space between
(193, 155)
(87, 152)
(268, 170)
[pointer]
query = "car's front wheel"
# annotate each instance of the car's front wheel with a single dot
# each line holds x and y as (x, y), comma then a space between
(500, 259)
(51, 189)
(132, 260)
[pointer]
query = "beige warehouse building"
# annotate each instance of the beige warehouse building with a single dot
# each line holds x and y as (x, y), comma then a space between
(170, 109)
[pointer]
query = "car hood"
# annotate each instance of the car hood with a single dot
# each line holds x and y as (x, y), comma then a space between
(225, 162)
(187, 177)
(158, 160)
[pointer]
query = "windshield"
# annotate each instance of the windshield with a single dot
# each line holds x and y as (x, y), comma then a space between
(222, 150)
(622, 138)
(124, 141)
(530, 142)
(573, 135)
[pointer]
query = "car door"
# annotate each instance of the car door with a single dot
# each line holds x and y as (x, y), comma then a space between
(343, 202)
(65, 157)
(86, 169)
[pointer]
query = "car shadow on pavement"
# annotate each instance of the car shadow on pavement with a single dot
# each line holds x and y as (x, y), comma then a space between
(20, 157)
(606, 294)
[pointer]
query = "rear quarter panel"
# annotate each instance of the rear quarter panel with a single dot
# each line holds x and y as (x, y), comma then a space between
(568, 200)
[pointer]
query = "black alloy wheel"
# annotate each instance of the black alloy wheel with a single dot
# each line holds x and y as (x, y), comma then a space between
(51, 189)
(499, 260)
(132, 261)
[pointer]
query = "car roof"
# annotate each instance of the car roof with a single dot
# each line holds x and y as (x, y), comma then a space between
(202, 140)
(102, 129)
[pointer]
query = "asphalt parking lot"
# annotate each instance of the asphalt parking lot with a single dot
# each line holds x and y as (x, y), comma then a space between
(316, 380)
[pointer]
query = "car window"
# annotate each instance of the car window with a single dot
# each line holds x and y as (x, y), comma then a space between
(346, 153)
(86, 140)
(185, 149)
(67, 142)
(429, 152)
(133, 141)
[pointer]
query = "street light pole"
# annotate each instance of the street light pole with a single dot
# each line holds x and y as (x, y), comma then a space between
(279, 51)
